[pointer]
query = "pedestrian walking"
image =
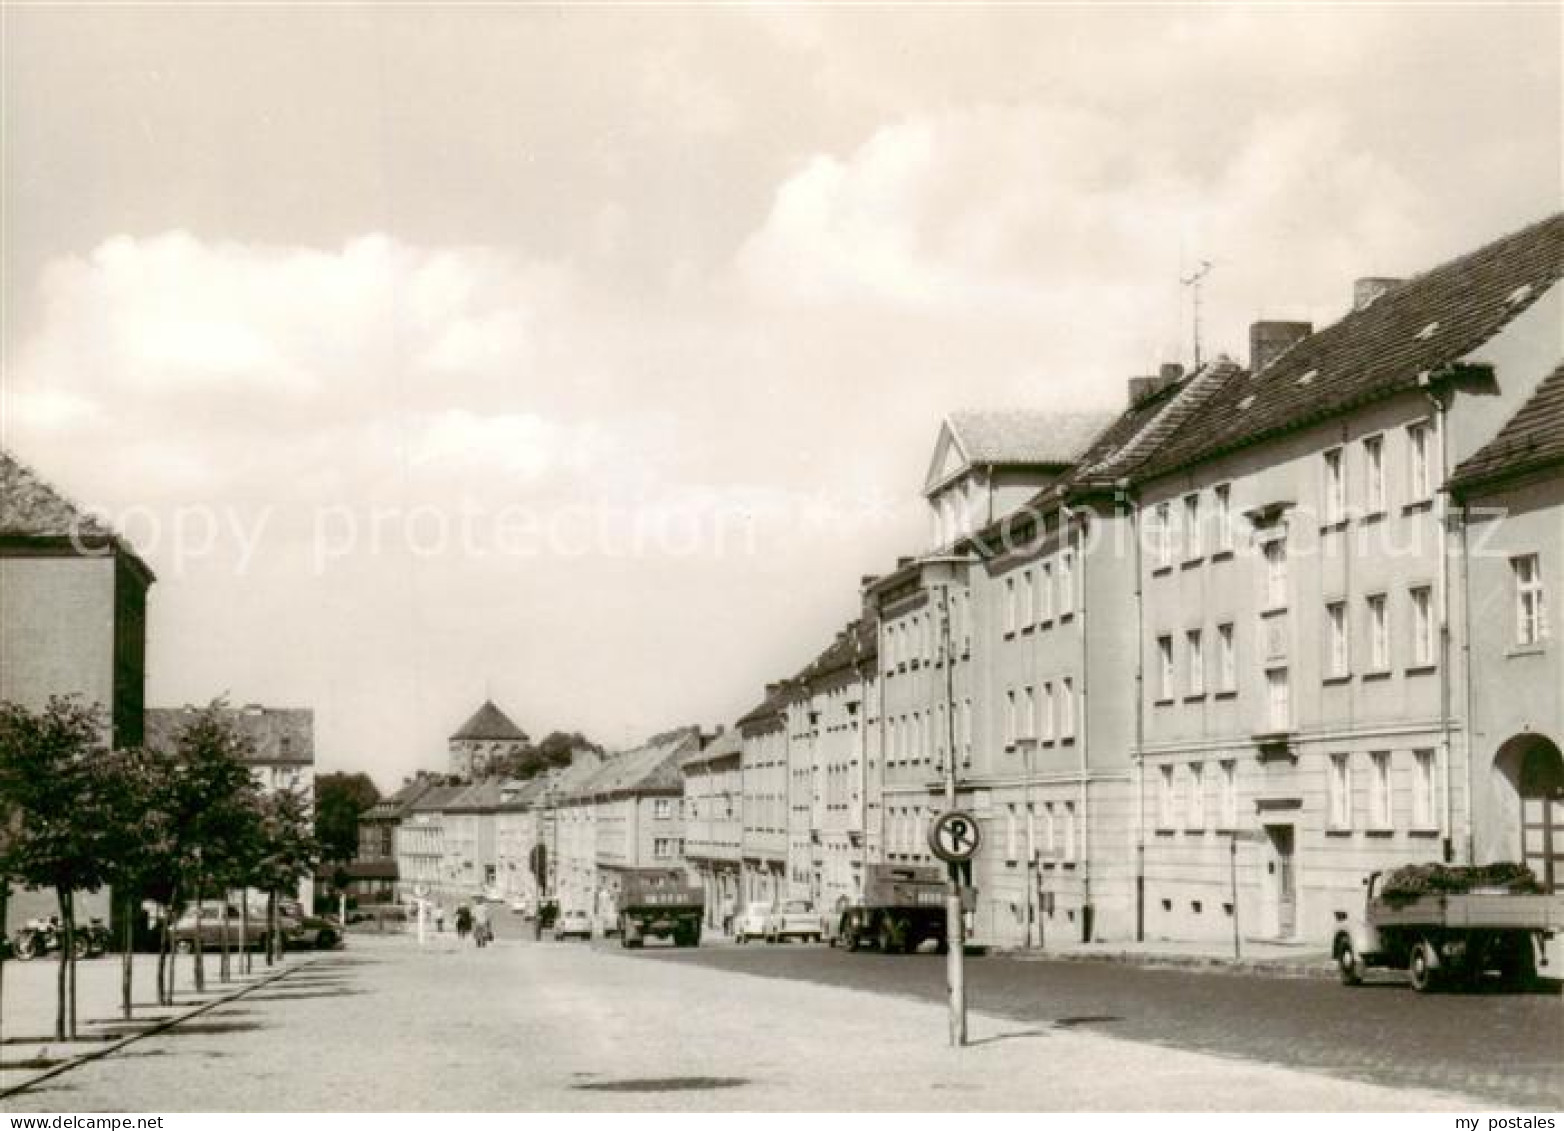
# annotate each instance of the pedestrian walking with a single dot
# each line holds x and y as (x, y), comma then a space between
(463, 922)
(439, 920)
(482, 932)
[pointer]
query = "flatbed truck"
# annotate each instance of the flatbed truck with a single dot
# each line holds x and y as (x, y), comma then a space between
(1448, 938)
(660, 904)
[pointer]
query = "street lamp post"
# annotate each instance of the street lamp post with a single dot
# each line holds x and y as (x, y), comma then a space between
(942, 573)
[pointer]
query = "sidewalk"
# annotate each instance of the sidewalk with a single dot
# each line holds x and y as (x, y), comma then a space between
(1255, 956)
(28, 1049)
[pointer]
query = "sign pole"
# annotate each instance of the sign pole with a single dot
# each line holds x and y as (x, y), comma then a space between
(1232, 868)
(955, 926)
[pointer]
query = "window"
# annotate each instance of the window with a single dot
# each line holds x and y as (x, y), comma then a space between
(1423, 789)
(1195, 651)
(1339, 792)
(1164, 667)
(1026, 599)
(964, 604)
(1420, 467)
(1069, 837)
(1278, 698)
(1010, 719)
(1337, 657)
(1197, 796)
(1010, 606)
(1334, 487)
(1045, 592)
(1531, 622)
(1222, 514)
(1422, 625)
(1067, 583)
(1162, 536)
(1379, 789)
(1045, 725)
(1028, 712)
(1010, 834)
(1275, 573)
(1192, 540)
(1374, 474)
(662, 809)
(1229, 794)
(966, 730)
(662, 847)
(1050, 830)
(1227, 659)
(1066, 708)
(1379, 633)
(1165, 797)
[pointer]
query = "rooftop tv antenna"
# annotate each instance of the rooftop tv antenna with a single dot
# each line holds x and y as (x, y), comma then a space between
(1192, 281)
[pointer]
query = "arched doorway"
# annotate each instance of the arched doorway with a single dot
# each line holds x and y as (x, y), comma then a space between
(1536, 768)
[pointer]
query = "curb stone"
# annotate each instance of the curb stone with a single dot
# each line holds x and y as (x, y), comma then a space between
(1320, 968)
(152, 1030)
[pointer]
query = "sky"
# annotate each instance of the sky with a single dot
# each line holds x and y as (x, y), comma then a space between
(586, 358)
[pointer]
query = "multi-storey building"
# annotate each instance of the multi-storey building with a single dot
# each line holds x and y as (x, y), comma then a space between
(523, 834)
(73, 605)
(279, 749)
(763, 761)
(831, 713)
(1303, 715)
(628, 815)
(1511, 530)
(486, 737)
(712, 825)
(372, 873)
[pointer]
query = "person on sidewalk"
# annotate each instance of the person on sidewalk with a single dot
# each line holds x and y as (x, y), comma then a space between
(463, 922)
(481, 924)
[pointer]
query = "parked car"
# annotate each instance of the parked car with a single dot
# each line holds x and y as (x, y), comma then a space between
(573, 925)
(210, 928)
(795, 919)
(751, 922)
(316, 932)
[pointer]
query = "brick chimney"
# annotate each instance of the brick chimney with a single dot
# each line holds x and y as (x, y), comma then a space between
(1269, 340)
(1365, 291)
(1140, 388)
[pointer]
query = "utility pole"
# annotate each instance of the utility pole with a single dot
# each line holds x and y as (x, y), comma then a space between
(1192, 281)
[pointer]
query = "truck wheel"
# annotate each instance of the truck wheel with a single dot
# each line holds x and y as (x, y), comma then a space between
(1422, 967)
(1518, 966)
(1348, 966)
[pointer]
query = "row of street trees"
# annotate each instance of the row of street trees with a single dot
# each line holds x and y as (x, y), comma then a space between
(172, 829)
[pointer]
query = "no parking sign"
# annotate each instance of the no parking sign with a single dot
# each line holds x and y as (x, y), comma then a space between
(955, 836)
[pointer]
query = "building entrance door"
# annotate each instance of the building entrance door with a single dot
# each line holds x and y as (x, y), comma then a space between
(1283, 879)
(1542, 814)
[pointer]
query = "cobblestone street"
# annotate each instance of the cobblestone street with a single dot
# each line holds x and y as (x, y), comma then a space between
(387, 1026)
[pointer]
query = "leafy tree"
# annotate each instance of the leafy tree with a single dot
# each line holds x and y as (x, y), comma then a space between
(339, 799)
(555, 750)
(287, 852)
(205, 802)
(140, 840)
(49, 775)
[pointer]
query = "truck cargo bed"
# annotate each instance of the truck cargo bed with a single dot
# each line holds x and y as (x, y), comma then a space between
(1473, 910)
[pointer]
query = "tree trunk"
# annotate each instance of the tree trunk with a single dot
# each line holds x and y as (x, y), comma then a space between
(63, 898)
(271, 927)
(222, 962)
(128, 941)
(5, 907)
(198, 950)
(70, 966)
(244, 933)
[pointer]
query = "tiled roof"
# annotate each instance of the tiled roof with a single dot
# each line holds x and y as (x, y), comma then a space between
(649, 768)
(855, 643)
(1024, 436)
(768, 709)
(397, 804)
(728, 744)
(1139, 434)
(488, 723)
(283, 735)
(1418, 327)
(436, 800)
(31, 508)
(1531, 440)
(479, 797)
